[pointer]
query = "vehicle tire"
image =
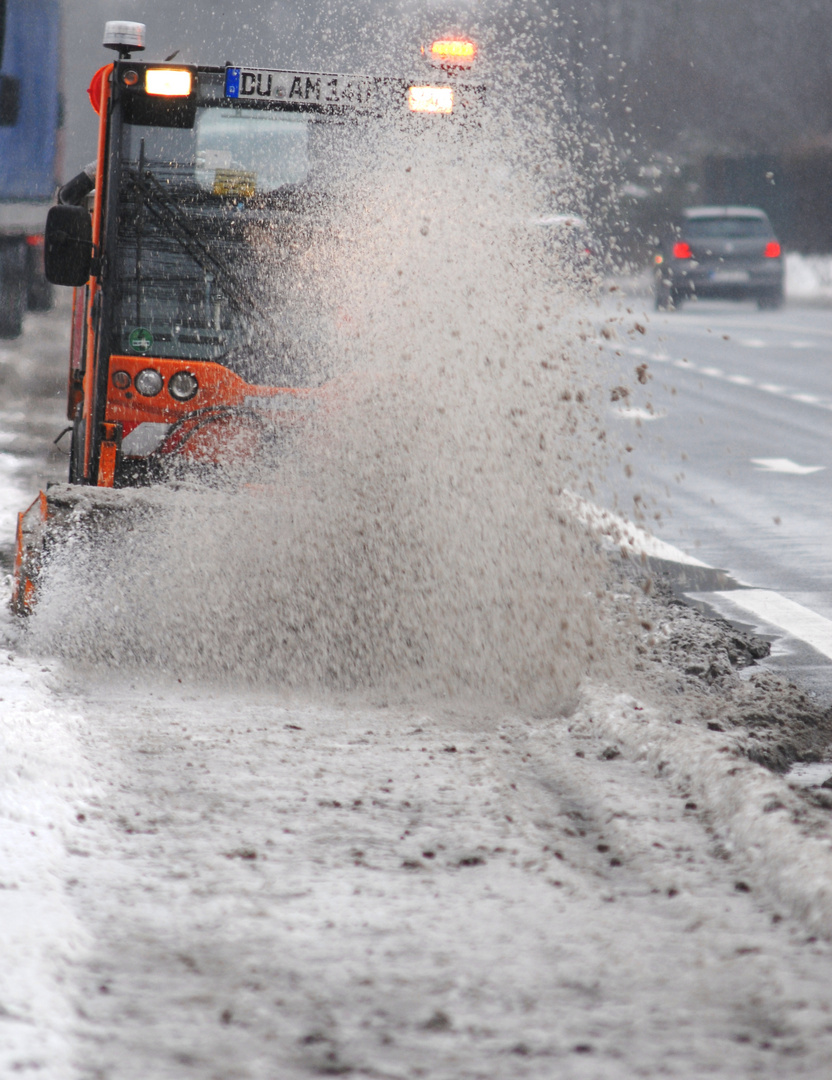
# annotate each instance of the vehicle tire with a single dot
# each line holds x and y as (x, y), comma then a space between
(12, 289)
(40, 295)
(771, 301)
(662, 297)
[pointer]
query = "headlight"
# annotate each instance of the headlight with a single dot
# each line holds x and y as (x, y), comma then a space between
(148, 382)
(121, 380)
(182, 386)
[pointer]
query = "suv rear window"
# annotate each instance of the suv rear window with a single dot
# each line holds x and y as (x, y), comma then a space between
(727, 228)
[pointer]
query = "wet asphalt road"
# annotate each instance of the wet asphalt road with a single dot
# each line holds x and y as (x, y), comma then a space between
(732, 440)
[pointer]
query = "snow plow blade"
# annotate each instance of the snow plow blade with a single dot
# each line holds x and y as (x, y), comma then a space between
(31, 527)
(62, 513)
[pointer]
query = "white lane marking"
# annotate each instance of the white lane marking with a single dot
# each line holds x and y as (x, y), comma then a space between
(738, 380)
(790, 616)
(787, 615)
(633, 413)
(625, 534)
(752, 343)
(783, 465)
(692, 322)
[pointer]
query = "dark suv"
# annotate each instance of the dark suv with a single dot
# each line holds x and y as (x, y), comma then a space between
(729, 252)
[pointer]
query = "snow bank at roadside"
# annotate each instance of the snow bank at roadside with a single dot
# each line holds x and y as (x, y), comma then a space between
(41, 775)
(808, 277)
(782, 846)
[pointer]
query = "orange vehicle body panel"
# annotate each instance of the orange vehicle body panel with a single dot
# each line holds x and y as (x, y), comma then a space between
(212, 426)
(108, 455)
(89, 374)
(217, 387)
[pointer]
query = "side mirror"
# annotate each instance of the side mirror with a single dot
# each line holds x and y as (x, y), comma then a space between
(67, 249)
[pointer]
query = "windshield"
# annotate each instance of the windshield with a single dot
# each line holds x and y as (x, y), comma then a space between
(215, 225)
(726, 228)
(251, 151)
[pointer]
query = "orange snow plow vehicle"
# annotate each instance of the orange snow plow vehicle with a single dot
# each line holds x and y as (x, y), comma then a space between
(189, 348)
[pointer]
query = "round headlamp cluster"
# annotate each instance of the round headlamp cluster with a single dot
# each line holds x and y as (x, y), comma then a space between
(148, 382)
(182, 386)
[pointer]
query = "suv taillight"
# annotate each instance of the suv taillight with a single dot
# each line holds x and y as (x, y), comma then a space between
(772, 250)
(681, 250)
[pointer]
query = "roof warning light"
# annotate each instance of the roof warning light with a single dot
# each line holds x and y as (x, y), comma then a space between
(453, 52)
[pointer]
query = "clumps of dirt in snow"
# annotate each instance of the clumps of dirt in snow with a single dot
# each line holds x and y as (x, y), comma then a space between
(708, 671)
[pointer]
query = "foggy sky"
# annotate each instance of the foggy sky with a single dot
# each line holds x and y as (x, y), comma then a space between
(670, 75)
(360, 35)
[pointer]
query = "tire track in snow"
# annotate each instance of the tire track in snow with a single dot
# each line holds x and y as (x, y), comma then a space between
(286, 891)
(785, 848)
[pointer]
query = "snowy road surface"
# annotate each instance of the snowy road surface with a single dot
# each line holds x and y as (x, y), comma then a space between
(252, 889)
(230, 885)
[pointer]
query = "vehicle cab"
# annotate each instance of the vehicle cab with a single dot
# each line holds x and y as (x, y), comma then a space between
(196, 330)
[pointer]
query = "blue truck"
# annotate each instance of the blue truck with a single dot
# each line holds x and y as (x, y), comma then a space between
(30, 121)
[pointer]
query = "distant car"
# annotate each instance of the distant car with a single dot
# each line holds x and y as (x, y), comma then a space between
(725, 252)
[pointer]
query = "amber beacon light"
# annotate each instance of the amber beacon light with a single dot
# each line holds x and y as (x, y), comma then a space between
(456, 52)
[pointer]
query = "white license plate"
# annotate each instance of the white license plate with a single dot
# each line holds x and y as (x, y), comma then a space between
(730, 277)
(263, 84)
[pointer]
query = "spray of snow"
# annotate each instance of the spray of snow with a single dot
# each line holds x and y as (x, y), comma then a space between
(414, 539)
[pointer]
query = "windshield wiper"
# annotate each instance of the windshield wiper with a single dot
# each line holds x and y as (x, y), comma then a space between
(154, 198)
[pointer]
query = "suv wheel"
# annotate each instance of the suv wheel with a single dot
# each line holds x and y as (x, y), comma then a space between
(667, 299)
(770, 301)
